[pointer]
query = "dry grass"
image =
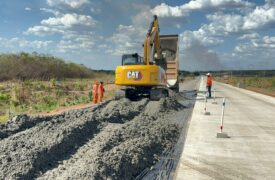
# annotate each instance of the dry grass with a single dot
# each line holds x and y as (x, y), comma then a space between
(264, 85)
(33, 97)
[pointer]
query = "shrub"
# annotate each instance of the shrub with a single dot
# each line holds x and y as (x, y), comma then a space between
(5, 97)
(39, 66)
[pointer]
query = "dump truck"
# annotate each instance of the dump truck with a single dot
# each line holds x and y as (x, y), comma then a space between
(154, 73)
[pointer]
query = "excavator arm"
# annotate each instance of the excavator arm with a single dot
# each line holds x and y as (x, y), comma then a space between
(152, 43)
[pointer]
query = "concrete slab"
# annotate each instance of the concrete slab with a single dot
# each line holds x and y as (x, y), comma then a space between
(249, 153)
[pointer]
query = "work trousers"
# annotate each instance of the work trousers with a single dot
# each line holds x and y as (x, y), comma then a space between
(100, 97)
(95, 97)
(209, 91)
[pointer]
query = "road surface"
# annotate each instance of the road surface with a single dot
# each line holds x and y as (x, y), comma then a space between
(249, 153)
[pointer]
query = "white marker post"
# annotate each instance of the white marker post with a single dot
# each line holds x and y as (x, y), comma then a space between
(222, 117)
(205, 100)
(222, 134)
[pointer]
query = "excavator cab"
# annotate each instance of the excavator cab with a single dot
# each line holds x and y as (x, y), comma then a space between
(132, 59)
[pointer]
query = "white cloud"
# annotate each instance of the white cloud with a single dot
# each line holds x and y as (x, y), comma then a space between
(55, 12)
(164, 10)
(129, 38)
(261, 17)
(190, 37)
(265, 42)
(69, 20)
(28, 9)
(61, 24)
(74, 42)
(216, 4)
(75, 30)
(222, 25)
(256, 46)
(23, 43)
(65, 46)
(124, 40)
(257, 53)
(249, 36)
(43, 30)
(38, 44)
(69, 3)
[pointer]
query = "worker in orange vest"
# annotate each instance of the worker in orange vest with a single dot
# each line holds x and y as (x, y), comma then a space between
(101, 91)
(209, 84)
(95, 92)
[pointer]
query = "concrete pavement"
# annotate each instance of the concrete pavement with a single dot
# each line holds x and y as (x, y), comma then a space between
(249, 153)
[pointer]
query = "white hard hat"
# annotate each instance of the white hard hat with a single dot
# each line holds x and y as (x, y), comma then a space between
(208, 74)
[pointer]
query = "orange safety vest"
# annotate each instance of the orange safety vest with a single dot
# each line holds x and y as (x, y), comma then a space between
(95, 89)
(209, 81)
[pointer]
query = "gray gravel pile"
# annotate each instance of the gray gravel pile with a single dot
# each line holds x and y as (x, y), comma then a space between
(120, 111)
(115, 140)
(20, 123)
(134, 147)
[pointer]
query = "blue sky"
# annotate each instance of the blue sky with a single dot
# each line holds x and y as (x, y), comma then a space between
(214, 34)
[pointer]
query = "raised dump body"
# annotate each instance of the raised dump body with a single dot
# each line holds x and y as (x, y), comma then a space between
(170, 51)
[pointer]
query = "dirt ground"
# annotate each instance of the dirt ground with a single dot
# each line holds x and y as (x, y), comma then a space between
(113, 140)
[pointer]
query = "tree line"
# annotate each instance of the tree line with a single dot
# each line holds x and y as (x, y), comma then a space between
(25, 66)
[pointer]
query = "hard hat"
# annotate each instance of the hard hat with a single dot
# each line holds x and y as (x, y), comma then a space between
(208, 74)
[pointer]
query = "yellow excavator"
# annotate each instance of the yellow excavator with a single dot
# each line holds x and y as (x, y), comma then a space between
(153, 74)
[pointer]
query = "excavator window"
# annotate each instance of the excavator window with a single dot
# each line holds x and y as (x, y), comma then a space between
(132, 59)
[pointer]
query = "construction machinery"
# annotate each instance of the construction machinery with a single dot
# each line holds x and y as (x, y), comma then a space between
(153, 74)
